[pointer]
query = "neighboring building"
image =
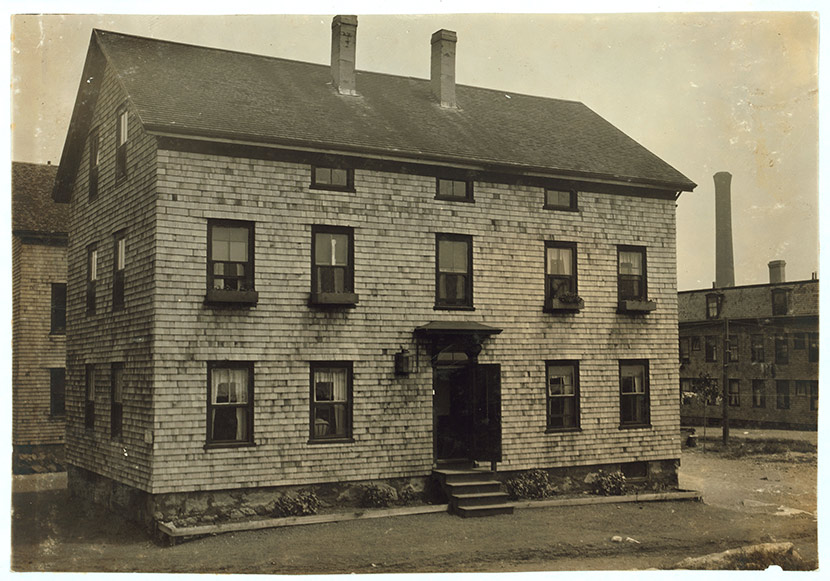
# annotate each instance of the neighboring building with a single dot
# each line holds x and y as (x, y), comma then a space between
(284, 274)
(763, 340)
(39, 239)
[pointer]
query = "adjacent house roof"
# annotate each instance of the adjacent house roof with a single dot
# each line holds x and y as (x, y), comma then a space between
(198, 92)
(33, 211)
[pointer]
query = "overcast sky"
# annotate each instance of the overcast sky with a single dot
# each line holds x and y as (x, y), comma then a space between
(706, 92)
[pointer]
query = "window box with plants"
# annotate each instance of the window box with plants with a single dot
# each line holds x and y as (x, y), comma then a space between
(565, 303)
(636, 306)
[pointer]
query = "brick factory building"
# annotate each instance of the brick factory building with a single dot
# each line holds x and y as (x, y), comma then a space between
(285, 274)
(39, 239)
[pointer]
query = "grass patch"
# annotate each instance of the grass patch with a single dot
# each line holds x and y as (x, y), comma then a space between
(740, 448)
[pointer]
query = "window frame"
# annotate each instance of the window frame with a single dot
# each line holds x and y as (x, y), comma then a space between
(734, 396)
(628, 303)
(119, 263)
(57, 392)
(813, 395)
(442, 304)
(91, 277)
(733, 348)
(759, 395)
(315, 184)
(89, 396)
(756, 348)
(627, 423)
(573, 200)
(553, 302)
(347, 297)
(783, 307)
(782, 350)
(248, 406)
(469, 190)
(348, 437)
(711, 348)
(685, 354)
(782, 396)
(122, 138)
(116, 399)
(239, 296)
(57, 308)
(799, 341)
(812, 347)
(714, 304)
(94, 163)
(696, 343)
(549, 398)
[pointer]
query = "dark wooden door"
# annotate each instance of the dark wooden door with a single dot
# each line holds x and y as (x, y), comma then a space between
(486, 424)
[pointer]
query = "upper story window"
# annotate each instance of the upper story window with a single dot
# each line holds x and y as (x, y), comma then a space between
(685, 354)
(759, 396)
(632, 284)
(695, 343)
(116, 398)
(91, 277)
(57, 392)
(711, 348)
(118, 265)
(782, 394)
(121, 137)
(94, 160)
(714, 301)
(230, 406)
(230, 262)
(455, 190)
(331, 401)
(780, 301)
(782, 352)
(89, 397)
(734, 388)
(453, 271)
(560, 275)
(812, 347)
(733, 348)
(58, 308)
(563, 395)
(332, 265)
(634, 396)
(560, 200)
(756, 353)
(332, 178)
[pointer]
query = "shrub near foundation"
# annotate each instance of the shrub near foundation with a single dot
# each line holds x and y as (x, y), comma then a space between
(534, 484)
(609, 484)
(303, 504)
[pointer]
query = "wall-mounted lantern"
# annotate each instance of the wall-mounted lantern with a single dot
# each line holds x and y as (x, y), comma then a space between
(403, 362)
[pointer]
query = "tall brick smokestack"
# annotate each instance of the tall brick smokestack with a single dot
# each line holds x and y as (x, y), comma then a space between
(724, 263)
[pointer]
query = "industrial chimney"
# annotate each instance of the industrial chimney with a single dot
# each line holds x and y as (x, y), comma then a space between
(776, 271)
(724, 265)
(442, 67)
(343, 48)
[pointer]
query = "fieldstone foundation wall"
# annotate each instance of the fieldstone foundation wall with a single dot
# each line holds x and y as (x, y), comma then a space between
(38, 459)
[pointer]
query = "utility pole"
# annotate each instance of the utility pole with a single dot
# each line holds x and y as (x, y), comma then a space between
(727, 354)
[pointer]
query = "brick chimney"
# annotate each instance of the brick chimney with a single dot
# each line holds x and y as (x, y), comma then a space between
(343, 45)
(724, 265)
(442, 69)
(776, 271)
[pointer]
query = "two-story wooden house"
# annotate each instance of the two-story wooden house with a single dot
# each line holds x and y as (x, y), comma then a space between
(286, 274)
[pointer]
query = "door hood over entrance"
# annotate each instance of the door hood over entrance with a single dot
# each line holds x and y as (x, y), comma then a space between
(455, 335)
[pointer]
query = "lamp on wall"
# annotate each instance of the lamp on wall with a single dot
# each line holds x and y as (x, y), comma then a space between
(402, 362)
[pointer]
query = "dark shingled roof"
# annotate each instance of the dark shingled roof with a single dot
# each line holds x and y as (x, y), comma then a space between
(33, 210)
(194, 91)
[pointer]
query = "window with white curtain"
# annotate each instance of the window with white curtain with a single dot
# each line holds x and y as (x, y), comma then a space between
(230, 402)
(331, 409)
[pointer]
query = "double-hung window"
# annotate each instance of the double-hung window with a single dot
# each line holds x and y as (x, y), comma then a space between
(782, 394)
(714, 301)
(94, 161)
(230, 262)
(812, 347)
(331, 401)
(757, 349)
(230, 403)
(562, 395)
(560, 276)
(685, 355)
(89, 397)
(57, 392)
(453, 190)
(813, 396)
(91, 277)
(116, 399)
(733, 348)
(734, 387)
(632, 287)
(560, 200)
(121, 137)
(634, 395)
(759, 398)
(58, 308)
(780, 301)
(332, 178)
(332, 266)
(118, 263)
(711, 355)
(782, 352)
(453, 271)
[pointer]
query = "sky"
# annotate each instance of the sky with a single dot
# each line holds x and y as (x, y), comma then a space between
(706, 92)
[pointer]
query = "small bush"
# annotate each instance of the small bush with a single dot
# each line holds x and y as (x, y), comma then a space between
(408, 496)
(534, 484)
(612, 484)
(303, 504)
(374, 496)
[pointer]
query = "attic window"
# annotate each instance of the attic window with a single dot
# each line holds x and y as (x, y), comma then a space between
(332, 178)
(121, 135)
(456, 190)
(560, 200)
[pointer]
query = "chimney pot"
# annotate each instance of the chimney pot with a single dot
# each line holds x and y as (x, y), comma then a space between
(442, 67)
(343, 48)
(724, 265)
(776, 271)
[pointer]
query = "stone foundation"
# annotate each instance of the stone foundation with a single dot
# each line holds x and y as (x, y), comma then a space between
(38, 459)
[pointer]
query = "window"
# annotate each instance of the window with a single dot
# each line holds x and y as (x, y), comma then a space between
(560, 274)
(454, 271)
(802, 387)
(94, 159)
(230, 409)
(695, 343)
(631, 280)
(332, 178)
(687, 393)
(759, 398)
(782, 354)
(711, 348)
(714, 397)
(799, 341)
(58, 308)
(230, 261)
(563, 394)
(814, 396)
(332, 268)
(713, 305)
(118, 262)
(757, 349)
(116, 398)
(121, 135)
(780, 301)
(57, 392)
(456, 190)
(812, 347)
(560, 200)
(782, 394)
(735, 393)
(684, 350)
(91, 277)
(331, 401)
(733, 348)
(89, 406)
(634, 402)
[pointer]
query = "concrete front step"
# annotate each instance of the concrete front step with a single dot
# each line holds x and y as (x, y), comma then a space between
(473, 492)
(472, 487)
(479, 499)
(490, 510)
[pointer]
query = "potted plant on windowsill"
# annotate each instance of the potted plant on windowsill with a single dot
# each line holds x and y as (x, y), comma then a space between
(566, 302)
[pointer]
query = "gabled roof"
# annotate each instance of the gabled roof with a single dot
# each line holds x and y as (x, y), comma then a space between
(33, 211)
(207, 93)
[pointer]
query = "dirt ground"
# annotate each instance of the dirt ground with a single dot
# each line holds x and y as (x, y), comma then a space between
(742, 499)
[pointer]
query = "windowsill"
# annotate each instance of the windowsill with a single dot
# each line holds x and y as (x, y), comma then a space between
(329, 188)
(317, 441)
(58, 334)
(560, 208)
(226, 445)
(636, 306)
(562, 430)
(635, 426)
(558, 306)
(453, 308)
(58, 418)
(231, 297)
(449, 199)
(333, 299)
